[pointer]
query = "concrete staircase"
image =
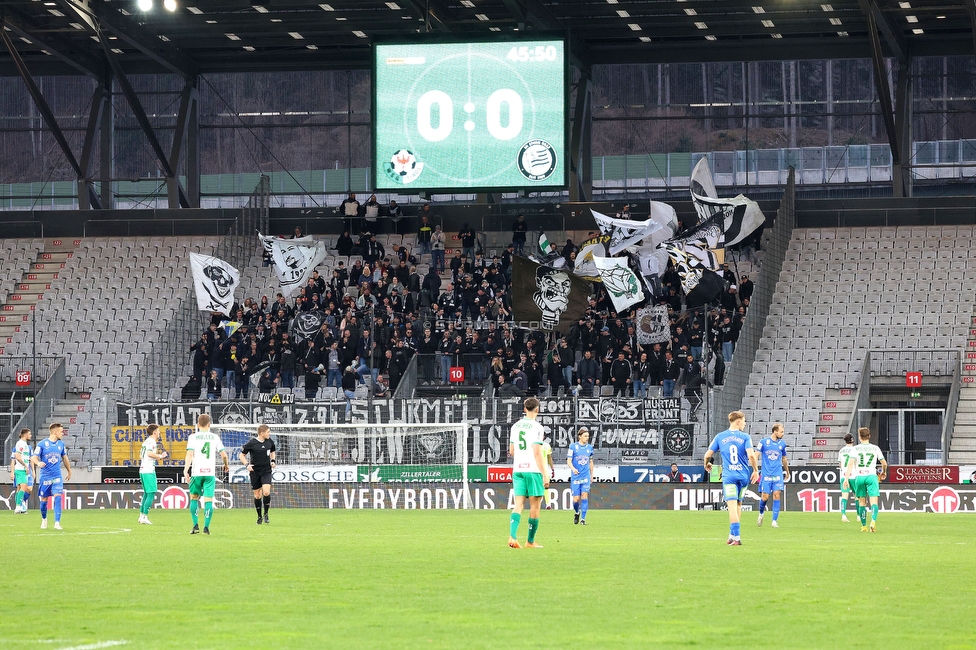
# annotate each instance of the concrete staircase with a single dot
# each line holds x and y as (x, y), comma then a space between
(962, 446)
(15, 313)
(834, 423)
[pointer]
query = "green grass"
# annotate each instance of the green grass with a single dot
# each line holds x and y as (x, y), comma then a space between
(435, 579)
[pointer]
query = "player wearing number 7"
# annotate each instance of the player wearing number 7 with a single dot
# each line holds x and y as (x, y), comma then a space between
(202, 448)
(736, 448)
(862, 470)
(529, 478)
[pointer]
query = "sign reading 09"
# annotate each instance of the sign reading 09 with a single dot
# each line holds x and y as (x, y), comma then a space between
(468, 116)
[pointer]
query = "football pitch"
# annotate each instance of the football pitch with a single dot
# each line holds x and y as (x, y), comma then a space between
(446, 579)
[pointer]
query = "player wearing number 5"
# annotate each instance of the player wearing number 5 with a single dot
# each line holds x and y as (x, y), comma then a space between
(862, 471)
(202, 448)
(258, 455)
(529, 479)
(735, 445)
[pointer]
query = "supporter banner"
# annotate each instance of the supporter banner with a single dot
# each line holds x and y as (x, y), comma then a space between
(652, 325)
(622, 436)
(660, 474)
(620, 282)
(489, 423)
(276, 398)
(679, 440)
(942, 474)
(547, 298)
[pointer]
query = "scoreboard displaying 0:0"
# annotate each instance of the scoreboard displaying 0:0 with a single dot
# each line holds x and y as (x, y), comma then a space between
(470, 116)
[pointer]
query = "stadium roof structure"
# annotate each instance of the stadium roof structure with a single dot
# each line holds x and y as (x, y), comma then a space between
(206, 36)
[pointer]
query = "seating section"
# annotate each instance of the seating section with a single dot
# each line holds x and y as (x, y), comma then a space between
(16, 256)
(842, 292)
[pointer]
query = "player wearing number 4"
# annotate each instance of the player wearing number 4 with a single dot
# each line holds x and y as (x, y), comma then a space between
(147, 470)
(775, 471)
(261, 452)
(529, 479)
(580, 461)
(736, 448)
(862, 470)
(21, 472)
(202, 448)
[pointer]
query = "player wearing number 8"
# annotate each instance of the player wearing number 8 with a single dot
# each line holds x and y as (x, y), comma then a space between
(528, 478)
(862, 470)
(202, 448)
(736, 448)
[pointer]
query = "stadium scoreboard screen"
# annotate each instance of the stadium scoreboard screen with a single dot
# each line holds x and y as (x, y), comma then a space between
(470, 116)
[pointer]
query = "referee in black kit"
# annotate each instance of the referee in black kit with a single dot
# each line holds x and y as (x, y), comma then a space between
(261, 452)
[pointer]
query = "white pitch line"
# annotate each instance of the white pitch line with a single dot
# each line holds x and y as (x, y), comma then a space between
(96, 646)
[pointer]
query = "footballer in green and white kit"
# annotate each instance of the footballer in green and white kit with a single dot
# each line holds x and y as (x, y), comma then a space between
(148, 456)
(21, 471)
(200, 469)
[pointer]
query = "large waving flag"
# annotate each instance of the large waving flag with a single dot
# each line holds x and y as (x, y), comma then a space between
(737, 218)
(294, 261)
(621, 283)
(546, 298)
(624, 232)
(214, 281)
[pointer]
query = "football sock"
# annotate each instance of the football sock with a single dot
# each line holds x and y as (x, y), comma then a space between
(874, 513)
(43, 508)
(57, 508)
(25, 499)
(533, 528)
(20, 497)
(762, 506)
(147, 499)
(513, 525)
(194, 507)
(207, 514)
(257, 505)
(576, 506)
(734, 529)
(843, 506)
(775, 509)
(862, 513)
(584, 504)
(267, 503)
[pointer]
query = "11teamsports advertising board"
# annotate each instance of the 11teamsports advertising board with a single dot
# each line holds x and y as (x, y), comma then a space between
(470, 115)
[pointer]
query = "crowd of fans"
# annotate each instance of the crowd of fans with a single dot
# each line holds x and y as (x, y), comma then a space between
(458, 315)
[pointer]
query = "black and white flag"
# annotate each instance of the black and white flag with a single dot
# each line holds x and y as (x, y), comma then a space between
(214, 281)
(737, 218)
(653, 325)
(294, 261)
(660, 227)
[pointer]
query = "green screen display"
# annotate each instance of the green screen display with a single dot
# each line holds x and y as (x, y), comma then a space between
(453, 116)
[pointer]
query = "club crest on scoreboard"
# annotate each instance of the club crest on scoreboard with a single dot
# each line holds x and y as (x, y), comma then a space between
(403, 168)
(536, 160)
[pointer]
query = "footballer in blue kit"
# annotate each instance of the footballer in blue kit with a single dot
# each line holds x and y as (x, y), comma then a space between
(48, 457)
(773, 473)
(738, 457)
(580, 461)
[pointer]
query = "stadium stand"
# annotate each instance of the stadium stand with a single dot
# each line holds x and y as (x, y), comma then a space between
(842, 292)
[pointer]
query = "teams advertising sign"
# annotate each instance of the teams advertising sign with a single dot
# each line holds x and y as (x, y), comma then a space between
(916, 498)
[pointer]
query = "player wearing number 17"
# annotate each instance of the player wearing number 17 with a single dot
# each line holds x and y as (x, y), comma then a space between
(862, 470)
(202, 448)
(529, 479)
(738, 456)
